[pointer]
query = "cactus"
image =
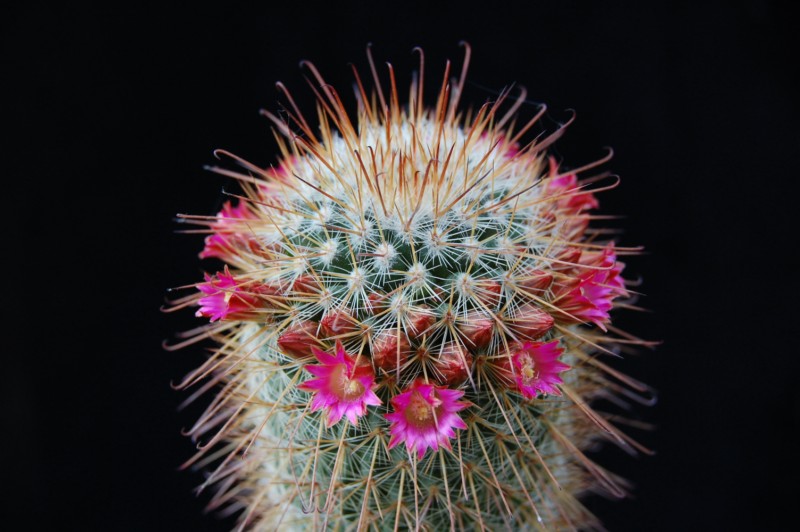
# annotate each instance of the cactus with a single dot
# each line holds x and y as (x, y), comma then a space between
(408, 323)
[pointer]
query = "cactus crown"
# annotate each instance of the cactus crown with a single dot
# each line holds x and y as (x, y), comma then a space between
(408, 323)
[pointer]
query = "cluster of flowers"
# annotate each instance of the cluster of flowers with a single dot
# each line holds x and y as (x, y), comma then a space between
(580, 288)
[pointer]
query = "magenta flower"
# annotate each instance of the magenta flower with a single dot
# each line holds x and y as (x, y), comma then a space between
(591, 299)
(229, 298)
(536, 368)
(425, 416)
(342, 387)
(606, 258)
(573, 198)
(569, 205)
(228, 236)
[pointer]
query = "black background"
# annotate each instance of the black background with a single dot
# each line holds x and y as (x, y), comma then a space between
(110, 115)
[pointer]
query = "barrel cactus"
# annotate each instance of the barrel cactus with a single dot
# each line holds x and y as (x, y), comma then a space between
(409, 321)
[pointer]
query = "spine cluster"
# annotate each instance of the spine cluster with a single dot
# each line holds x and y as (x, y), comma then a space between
(409, 322)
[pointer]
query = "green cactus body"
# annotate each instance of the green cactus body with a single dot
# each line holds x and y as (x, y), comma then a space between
(436, 257)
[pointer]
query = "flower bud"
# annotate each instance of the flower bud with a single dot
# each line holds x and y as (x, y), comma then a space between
(438, 293)
(453, 365)
(306, 284)
(568, 258)
(502, 367)
(376, 302)
(418, 320)
(537, 281)
(271, 294)
(390, 351)
(338, 323)
(574, 226)
(477, 329)
(530, 322)
(299, 339)
(489, 292)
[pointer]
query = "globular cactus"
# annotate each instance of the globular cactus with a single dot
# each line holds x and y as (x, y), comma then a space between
(408, 323)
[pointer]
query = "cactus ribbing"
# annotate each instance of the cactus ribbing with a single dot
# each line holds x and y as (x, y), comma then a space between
(408, 324)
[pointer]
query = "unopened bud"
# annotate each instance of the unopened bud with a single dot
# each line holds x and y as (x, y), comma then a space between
(338, 323)
(261, 249)
(502, 366)
(390, 351)
(299, 339)
(306, 284)
(271, 247)
(575, 225)
(477, 329)
(270, 293)
(530, 321)
(419, 320)
(489, 292)
(376, 302)
(537, 281)
(568, 258)
(453, 364)
(438, 293)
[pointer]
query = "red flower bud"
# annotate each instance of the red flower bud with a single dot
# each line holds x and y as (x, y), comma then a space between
(530, 321)
(306, 284)
(387, 347)
(338, 323)
(489, 292)
(567, 258)
(271, 293)
(537, 281)
(502, 366)
(574, 226)
(438, 293)
(376, 302)
(477, 329)
(298, 339)
(419, 320)
(453, 364)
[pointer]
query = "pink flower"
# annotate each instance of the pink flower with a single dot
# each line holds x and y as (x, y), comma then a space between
(610, 275)
(536, 368)
(569, 204)
(228, 235)
(573, 198)
(425, 416)
(229, 298)
(502, 144)
(341, 386)
(275, 178)
(591, 298)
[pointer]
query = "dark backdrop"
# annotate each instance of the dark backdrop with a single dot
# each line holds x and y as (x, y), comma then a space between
(112, 113)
